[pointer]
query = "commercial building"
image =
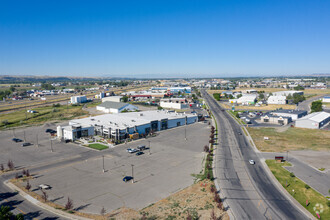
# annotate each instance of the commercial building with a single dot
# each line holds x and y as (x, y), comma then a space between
(286, 93)
(293, 114)
(113, 98)
(78, 99)
(277, 100)
(176, 90)
(115, 107)
(315, 120)
(273, 119)
(119, 126)
(175, 103)
(247, 99)
(326, 99)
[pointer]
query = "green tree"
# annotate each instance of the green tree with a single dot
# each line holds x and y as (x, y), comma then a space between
(125, 98)
(298, 98)
(261, 96)
(299, 88)
(239, 96)
(317, 106)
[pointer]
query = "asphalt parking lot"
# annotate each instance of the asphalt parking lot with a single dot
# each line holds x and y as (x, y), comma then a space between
(34, 154)
(167, 170)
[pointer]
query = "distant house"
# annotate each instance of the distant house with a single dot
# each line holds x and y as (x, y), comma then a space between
(315, 120)
(286, 93)
(115, 107)
(247, 99)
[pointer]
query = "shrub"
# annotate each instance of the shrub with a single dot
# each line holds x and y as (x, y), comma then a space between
(212, 188)
(292, 174)
(69, 204)
(307, 186)
(10, 165)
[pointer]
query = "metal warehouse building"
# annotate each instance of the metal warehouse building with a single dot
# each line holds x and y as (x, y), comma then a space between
(119, 126)
(315, 120)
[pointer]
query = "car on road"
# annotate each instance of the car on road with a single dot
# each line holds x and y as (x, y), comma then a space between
(139, 153)
(141, 147)
(127, 178)
(240, 133)
(26, 144)
(252, 162)
(16, 140)
(44, 186)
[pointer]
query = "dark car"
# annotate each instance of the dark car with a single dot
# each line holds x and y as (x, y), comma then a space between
(127, 178)
(26, 144)
(141, 147)
(16, 140)
(240, 133)
(48, 130)
(139, 153)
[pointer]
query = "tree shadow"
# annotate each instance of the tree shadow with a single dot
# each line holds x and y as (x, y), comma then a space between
(7, 195)
(50, 218)
(12, 204)
(81, 207)
(32, 215)
(54, 200)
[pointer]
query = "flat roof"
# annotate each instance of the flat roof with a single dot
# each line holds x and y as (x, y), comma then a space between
(129, 119)
(115, 105)
(296, 112)
(316, 116)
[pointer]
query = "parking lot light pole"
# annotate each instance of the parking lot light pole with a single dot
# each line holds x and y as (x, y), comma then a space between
(185, 133)
(287, 155)
(149, 148)
(51, 145)
(37, 140)
(24, 136)
(132, 173)
(14, 132)
(103, 163)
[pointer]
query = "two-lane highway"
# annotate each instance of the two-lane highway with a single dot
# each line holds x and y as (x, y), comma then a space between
(245, 188)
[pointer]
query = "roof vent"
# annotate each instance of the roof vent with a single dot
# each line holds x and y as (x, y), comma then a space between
(141, 114)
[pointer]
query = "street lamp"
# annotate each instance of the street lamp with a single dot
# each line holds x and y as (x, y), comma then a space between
(132, 173)
(51, 145)
(149, 148)
(185, 133)
(103, 163)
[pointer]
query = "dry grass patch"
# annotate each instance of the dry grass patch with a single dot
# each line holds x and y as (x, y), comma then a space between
(290, 139)
(260, 108)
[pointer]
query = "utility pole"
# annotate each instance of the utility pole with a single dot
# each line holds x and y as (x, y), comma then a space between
(14, 132)
(149, 148)
(24, 136)
(37, 140)
(132, 173)
(287, 155)
(25, 113)
(103, 163)
(51, 145)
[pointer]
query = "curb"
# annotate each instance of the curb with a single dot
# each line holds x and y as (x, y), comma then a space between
(281, 188)
(42, 205)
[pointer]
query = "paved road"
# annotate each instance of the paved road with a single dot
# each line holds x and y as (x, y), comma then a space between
(316, 179)
(246, 188)
(305, 105)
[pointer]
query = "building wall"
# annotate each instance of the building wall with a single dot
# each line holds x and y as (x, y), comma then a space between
(275, 120)
(112, 99)
(307, 124)
(173, 105)
(173, 123)
(192, 119)
(326, 99)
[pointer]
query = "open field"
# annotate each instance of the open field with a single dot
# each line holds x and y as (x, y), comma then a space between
(47, 113)
(291, 139)
(268, 90)
(299, 190)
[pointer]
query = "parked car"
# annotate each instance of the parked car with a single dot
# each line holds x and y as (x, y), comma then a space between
(127, 178)
(131, 150)
(139, 153)
(252, 162)
(26, 144)
(240, 133)
(16, 140)
(141, 147)
(44, 186)
(67, 140)
(48, 130)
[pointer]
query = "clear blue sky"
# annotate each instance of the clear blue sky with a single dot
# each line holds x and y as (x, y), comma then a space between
(164, 38)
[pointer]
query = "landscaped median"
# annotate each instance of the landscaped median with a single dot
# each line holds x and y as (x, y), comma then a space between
(313, 201)
(98, 146)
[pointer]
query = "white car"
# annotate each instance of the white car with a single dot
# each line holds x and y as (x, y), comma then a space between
(130, 150)
(44, 186)
(252, 162)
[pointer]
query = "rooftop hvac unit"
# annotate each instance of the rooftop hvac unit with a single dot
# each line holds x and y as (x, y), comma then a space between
(141, 114)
